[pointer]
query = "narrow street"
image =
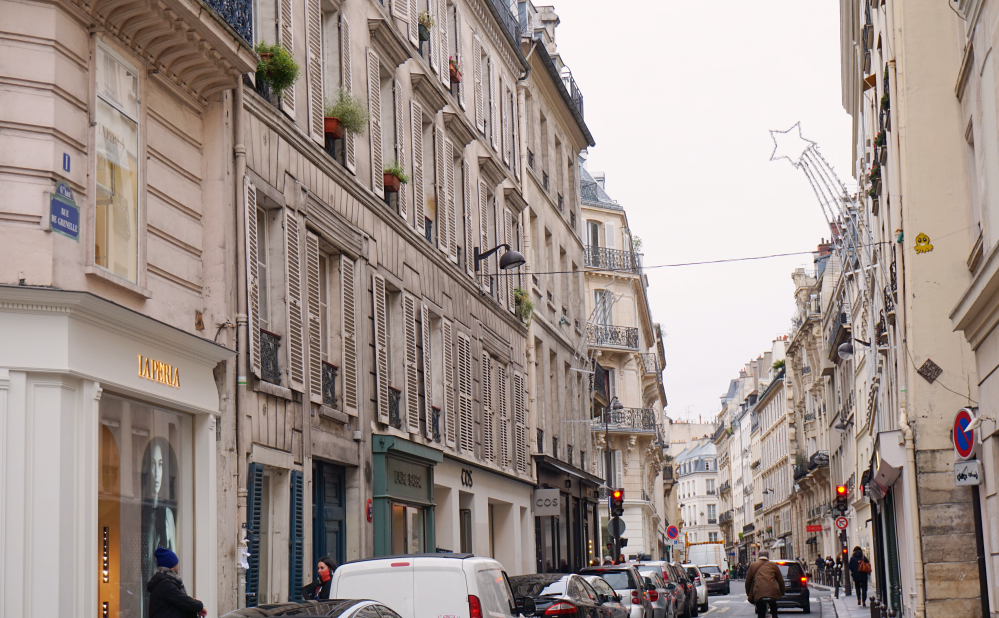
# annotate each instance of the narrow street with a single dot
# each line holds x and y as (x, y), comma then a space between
(735, 605)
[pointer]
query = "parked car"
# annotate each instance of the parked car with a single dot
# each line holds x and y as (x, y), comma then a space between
(700, 585)
(716, 579)
(433, 585)
(660, 596)
(673, 589)
(334, 608)
(606, 594)
(796, 592)
(679, 575)
(555, 594)
(628, 584)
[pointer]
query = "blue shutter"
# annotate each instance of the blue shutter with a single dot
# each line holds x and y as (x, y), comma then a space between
(254, 504)
(296, 538)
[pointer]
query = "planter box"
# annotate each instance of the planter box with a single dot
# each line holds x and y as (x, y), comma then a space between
(424, 33)
(333, 126)
(883, 155)
(392, 183)
(455, 77)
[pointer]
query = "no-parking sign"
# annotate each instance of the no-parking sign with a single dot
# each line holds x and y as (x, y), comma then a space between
(672, 533)
(964, 440)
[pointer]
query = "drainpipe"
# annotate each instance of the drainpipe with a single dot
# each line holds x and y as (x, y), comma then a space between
(910, 477)
(242, 363)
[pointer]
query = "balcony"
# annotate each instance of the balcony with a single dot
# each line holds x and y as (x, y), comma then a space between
(573, 90)
(435, 423)
(628, 420)
(611, 259)
(725, 487)
(818, 459)
(758, 506)
(238, 14)
(725, 517)
(651, 364)
(711, 492)
(839, 332)
(329, 384)
(270, 370)
(608, 336)
(508, 20)
(712, 520)
(395, 419)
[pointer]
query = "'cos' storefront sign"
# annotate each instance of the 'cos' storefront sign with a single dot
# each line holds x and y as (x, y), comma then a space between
(546, 502)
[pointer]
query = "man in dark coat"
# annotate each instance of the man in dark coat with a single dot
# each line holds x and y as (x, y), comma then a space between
(764, 581)
(859, 575)
(167, 596)
(318, 590)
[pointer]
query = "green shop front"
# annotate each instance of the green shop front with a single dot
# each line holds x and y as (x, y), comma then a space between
(403, 501)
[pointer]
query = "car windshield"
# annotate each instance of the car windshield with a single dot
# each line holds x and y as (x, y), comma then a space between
(693, 572)
(710, 569)
(618, 580)
(653, 576)
(790, 567)
(535, 587)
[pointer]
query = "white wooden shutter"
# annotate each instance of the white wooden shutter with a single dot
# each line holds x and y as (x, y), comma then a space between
(375, 124)
(458, 55)
(452, 223)
(428, 382)
(504, 92)
(252, 281)
(348, 311)
(442, 233)
(515, 123)
(445, 73)
(349, 148)
(493, 103)
(480, 117)
(610, 236)
(503, 416)
(466, 208)
(465, 420)
(314, 44)
(447, 405)
(315, 325)
(412, 379)
(520, 419)
(296, 324)
(488, 419)
(618, 470)
(508, 279)
(381, 347)
(400, 9)
(435, 42)
(416, 117)
(400, 144)
(414, 23)
(484, 234)
(286, 30)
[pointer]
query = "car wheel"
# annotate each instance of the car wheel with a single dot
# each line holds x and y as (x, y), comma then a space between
(807, 609)
(693, 609)
(704, 607)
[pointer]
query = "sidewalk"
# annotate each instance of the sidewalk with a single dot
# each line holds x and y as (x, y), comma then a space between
(846, 607)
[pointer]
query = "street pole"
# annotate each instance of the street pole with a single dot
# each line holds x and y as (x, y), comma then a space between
(845, 569)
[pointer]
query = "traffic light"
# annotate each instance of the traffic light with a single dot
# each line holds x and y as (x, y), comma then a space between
(623, 542)
(842, 502)
(617, 503)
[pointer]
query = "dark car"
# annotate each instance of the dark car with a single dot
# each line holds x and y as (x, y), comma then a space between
(556, 594)
(796, 593)
(628, 584)
(716, 578)
(676, 594)
(334, 608)
(606, 594)
(679, 575)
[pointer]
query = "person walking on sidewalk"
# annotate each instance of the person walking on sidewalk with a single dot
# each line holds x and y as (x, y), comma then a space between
(860, 569)
(167, 596)
(764, 581)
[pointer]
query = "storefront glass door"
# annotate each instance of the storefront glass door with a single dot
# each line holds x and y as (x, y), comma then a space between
(407, 529)
(327, 514)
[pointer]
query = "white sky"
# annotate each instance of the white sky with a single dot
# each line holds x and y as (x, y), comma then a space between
(680, 97)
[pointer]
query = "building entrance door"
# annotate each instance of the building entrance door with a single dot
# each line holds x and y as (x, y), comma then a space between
(327, 514)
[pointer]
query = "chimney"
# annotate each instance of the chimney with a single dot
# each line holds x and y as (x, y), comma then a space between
(600, 177)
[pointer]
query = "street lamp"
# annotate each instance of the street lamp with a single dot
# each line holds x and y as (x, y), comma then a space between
(510, 259)
(846, 351)
(843, 425)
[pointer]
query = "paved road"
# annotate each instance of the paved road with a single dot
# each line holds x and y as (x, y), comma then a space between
(735, 605)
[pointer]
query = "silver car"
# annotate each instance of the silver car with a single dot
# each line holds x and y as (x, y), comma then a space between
(628, 584)
(659, 596)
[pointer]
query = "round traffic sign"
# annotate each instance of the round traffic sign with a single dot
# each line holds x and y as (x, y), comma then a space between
(842, 522)
(964, 440)
(672, 532)
(615, 526)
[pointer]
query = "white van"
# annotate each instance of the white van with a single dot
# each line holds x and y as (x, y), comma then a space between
(432, 586)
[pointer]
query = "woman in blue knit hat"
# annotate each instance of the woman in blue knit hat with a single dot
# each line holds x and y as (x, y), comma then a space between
(167, 596)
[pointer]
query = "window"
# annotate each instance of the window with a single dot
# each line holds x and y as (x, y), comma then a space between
(712, 510)
(713, 537)
(593, 233)
(711, 486)
(603, 302)
(116, 234)
(407, 529)
(263, 257)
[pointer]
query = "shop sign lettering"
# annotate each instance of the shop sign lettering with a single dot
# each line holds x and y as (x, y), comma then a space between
(408, 478)
(466, 477)
(159, 372)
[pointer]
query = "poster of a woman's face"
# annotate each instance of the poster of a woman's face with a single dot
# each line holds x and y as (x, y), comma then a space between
(159, 506)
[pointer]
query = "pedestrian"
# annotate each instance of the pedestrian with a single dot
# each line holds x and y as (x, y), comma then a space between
(321, 589)
(860, 569)
(621, 560)
(608, 560)
(819, 564)
(167, 596)
(764, 581)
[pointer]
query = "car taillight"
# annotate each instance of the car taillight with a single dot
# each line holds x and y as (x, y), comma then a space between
(474, 607)
(653, 596)
(561, 609)
(636, 596)
(804, 581)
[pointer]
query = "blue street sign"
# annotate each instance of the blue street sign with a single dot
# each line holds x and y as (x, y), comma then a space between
(65, 162)
(64, 217)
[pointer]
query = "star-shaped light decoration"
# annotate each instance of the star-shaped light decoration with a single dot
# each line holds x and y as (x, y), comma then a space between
(790, 145)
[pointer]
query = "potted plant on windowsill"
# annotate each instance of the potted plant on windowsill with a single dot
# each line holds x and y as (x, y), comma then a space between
(426, 22)
(454, 67)
(344, 114)
(394, 177)
(524, 305)
(277, 67)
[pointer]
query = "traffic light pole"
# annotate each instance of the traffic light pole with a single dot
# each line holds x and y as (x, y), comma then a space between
(608, 465)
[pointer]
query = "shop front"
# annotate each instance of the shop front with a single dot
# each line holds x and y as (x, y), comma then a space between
(567, 541)
(108, 442)
(403, 507)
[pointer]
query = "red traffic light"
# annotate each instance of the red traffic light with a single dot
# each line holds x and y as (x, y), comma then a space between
(617, 494)
(841, 490)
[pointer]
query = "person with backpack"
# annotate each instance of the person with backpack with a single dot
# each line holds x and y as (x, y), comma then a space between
(860, 570)
(764, 585)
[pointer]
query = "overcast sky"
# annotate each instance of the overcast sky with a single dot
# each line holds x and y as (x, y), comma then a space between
(680, 98)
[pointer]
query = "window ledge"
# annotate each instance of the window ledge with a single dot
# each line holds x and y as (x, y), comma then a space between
(333, 414)
(274, 390)
(121, 282)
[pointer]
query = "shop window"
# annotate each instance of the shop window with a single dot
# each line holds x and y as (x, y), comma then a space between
(407, 529)
(145, 498)
(116, 138)
(465, 530)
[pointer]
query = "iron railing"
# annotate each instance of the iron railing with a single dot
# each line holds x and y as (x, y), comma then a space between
(573, 89)
(818, 459)
(572, 220)
(238, 14)
(435, 423)
(712, 521)
(329, 384)
(711, 492)
(726, 486)
(395, 419)
(541, 440)
(561, 203)
(270, 370)
(629, 419)
(530, 159)
(507, 18)
(544, 180)
(611, 259)
(612, 336)
(651, 364)
(758, 506)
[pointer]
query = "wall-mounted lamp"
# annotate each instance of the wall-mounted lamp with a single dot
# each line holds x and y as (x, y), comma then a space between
(977, 421)
(510, 259)
(845, 350)
(842, 425)
(616, 404)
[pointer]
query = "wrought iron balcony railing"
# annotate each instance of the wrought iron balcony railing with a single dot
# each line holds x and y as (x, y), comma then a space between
(611, 259)
(238, 14)
(651, 364)
(712, 520)
(627, 419)
(395, 419)
(612, 336)
(508, 20)
(270, 369)
(711, 492)
(329, 385)
(435, 423)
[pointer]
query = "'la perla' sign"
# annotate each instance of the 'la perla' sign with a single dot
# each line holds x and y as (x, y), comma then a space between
(159, 372)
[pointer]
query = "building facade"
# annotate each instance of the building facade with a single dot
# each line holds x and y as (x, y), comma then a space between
(697, 483)
(777, 442)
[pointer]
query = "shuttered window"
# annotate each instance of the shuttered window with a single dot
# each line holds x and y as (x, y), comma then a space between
(252, 280)
(416, 118)
(412, 394)
(442, 28)
(503, 418)
(448, 408)
(414, 23)
(314, 43)
(488, 415)
(381, 347)
(515, 124)
(428, 382)
(508, 277)
(375, 123)
(493, 81)
(434, 42)
(400, 9)
(400, 143)
(296, 321)
(466, 209)
(296, 542)
(459, 56)
(449, 189)
(254, 519)
(286, 29)
(484, 269)
(465, 420)
(520, 420)
(504, 92)
(480, 117)
(316, 325)
(349, 147)
(348, 311)
(441, 178)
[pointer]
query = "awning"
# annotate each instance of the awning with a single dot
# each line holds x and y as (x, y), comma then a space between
(778, 543)
(812, 541)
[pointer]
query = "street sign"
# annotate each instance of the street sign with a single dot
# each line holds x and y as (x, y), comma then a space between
(615, 527)
(673, 532)
(813, 528)
(964, 440)
(842, 523)
(966, 473)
